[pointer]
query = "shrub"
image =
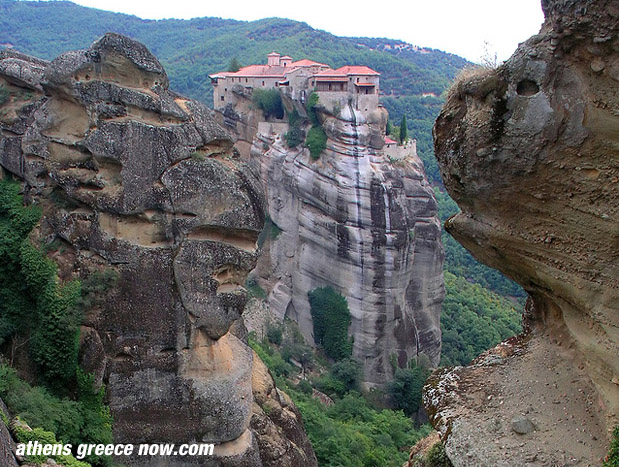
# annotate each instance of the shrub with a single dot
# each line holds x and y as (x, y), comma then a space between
(612, 459)
(305, 387)
(86, 420)
(254, 290)
(405, 389)
(331, 318)
(269, 101)
(4, 95)
(294, 136)
(316, 141)
(437, 457)
(403, 130)
(312, 103)
(274, 334)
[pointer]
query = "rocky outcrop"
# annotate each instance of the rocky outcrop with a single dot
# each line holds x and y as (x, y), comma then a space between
(142, 185)
(358, 222)
(530, 153)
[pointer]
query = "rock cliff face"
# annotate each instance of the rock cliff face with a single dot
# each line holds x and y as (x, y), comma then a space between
(140, 181)
(362, 224)
(530, 152)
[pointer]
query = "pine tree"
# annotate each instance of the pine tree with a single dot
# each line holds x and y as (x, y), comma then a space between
(403, 130)
(389, 129)
(235, 65)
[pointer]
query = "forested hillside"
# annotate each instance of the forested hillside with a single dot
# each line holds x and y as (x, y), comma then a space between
(413, 81)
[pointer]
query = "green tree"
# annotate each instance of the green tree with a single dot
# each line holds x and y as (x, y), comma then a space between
(269, 101)
(403, 130)
(331, 318)
(234, 65)
(405, 389)
(316, 141)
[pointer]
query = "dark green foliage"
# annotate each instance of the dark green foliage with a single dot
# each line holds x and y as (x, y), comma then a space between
(351, 433)
(272, 359)
(294, 136)
(305, 387)
(94, 287)
(312, 103)
(474, 319)
(234, 65)
(4, 95)
(54, 341)
(254, 289)
(316, 141)
(612, 459)
(403, 130)
(32, 297)
(389, 129)
(46, 437)
(16, 222)
(331, 318)
(269, 101)
(85, 420)
(274, 334)
(343, 377)
(299, 352)
(405, 389)
(270, 231)
(437, 457)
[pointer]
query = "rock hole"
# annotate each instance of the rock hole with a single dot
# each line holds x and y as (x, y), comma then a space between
(527, 87)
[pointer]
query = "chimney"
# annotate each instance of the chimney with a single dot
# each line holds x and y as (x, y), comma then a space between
(273, 59)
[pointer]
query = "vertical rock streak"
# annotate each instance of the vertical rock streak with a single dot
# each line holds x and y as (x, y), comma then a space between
(346, 222)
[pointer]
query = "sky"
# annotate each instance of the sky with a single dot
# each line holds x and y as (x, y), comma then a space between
(473, 29)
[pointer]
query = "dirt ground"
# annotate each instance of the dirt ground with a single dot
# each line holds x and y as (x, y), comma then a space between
(532, 380)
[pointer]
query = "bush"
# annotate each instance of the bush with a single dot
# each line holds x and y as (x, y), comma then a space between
(437, 457)
(274, 334)
(4, 95)
(86, 420)
(406, 387)
(312, 103)
(269, 101)
(294, 136)
(331, 318)
(46, 437)
(612, 459)
(316, 141)
(305, 387)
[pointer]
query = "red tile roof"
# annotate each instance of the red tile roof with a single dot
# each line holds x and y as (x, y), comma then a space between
(357, 70)
(253, 71)
(260, 70)
(389, 140)
(306, 62)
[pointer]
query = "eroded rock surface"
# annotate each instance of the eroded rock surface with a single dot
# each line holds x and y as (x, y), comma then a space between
(530, 152)
(141, 184)
(358, 222)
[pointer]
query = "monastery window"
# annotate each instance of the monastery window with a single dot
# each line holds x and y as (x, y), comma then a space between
(223, 98)
(263, 83)
(246, 80)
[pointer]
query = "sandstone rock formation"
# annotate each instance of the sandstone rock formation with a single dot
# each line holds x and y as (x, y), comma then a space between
(358, 222)
(530, 152)
(136, 179)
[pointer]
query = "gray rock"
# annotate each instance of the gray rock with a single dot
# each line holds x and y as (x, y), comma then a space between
(108, 151)
(363, 225)
(522, 425)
